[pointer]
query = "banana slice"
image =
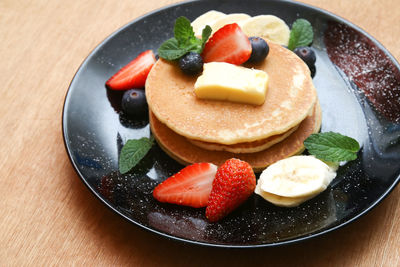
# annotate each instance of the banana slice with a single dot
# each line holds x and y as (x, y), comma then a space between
(297, 176)
(207, 18)
(228, 19)
(267, 26)
(280, 201)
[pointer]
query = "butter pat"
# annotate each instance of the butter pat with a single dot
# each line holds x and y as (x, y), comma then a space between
(224, 81)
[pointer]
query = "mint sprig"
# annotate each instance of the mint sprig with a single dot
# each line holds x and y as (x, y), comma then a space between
(330, 146)
(170, 50)
(184, 33)
(205, 34)
(132, 152)
(301, 34)
(184, 40)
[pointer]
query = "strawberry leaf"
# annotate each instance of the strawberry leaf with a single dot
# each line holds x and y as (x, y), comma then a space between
(132, 152)
(332, 146)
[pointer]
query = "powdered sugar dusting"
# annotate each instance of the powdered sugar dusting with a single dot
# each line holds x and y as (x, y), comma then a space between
(367, 66)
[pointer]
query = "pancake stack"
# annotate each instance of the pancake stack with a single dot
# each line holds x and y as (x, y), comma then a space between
(196, 130)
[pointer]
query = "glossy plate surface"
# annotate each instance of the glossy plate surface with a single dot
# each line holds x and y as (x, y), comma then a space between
(358, 84)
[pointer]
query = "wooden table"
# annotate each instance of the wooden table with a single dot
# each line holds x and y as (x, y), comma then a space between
(48, 216)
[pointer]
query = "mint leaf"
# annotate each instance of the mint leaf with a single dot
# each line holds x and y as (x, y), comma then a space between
(132, 152)
(184, 41)
(205, 34)
(195, 46)
(332, 146)
(170, 50)
(183, 32)
(301, 34)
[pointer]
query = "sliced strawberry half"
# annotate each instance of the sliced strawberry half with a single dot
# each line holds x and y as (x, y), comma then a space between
(229, 44)
(134, 74)
(189, 187)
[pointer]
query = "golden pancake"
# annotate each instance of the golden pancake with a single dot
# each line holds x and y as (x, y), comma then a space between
(290, 97)
(246, 147)
(179, 148)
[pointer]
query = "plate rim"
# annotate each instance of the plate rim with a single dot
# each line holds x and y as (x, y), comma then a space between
(202, 243)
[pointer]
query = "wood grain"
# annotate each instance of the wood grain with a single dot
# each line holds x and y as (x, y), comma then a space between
(48, 217)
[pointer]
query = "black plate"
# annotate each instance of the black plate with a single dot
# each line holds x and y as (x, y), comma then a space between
(359, 97)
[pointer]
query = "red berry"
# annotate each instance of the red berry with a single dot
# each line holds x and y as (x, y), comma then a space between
(134, 74)
(229, 44)
(189, 187)
(234, 182)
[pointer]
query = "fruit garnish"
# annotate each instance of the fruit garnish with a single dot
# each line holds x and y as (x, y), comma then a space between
(229, 44)
(259, 49)
(132, 152)
(189, 187)
(313, 70)
(184, 40)
(228, 19)
(134, 74)
(306, 54)
(134, 102)
(296, 176)
(234, 182)
(191, 63)
(332, 147)
(291, 181)
(301, 34)
(207, 18)
(269, 27)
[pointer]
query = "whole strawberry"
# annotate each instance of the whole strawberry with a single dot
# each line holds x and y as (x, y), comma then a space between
(234, 182)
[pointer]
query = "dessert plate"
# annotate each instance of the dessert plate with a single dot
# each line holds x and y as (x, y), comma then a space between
(358, 84)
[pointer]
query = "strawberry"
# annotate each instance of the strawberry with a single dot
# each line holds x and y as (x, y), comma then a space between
(189, 187)
(134, 74)
(234, 182)
(229, 44)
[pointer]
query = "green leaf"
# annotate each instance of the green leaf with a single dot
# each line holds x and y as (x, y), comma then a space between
(301, 34)
(332, 146)
(184, 41)
(132, 153)
(197, 45)
(170, 50)
(205, 35)
(183, 32)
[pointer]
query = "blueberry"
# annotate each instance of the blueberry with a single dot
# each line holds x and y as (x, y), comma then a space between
(191, 63)
(313, 70)
(306, 54)
(259, 49)
(134, 102)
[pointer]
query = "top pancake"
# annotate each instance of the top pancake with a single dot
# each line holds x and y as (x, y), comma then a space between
(290, 97)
